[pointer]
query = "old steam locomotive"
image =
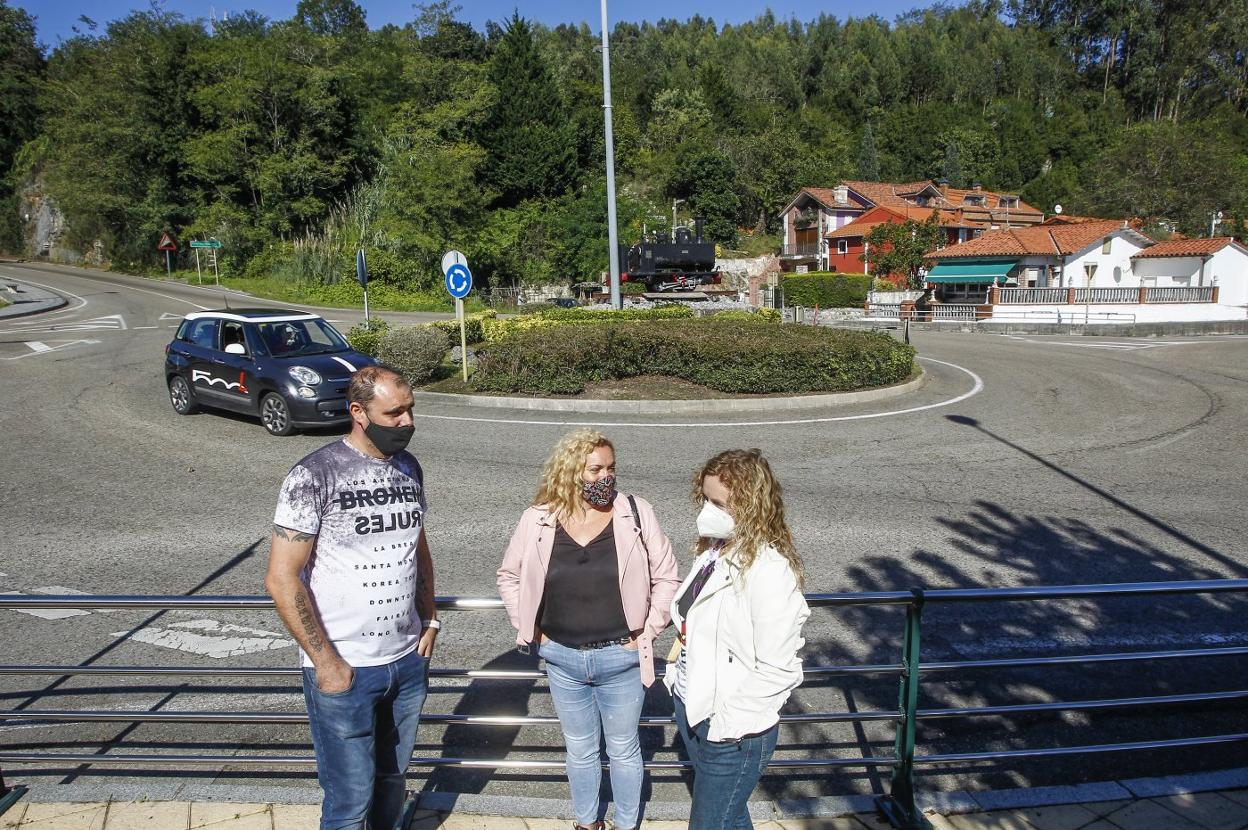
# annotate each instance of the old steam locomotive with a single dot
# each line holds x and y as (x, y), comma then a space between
(682, 261)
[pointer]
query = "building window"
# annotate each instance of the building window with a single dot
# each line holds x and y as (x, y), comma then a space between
(1105, 246)
(842, 246)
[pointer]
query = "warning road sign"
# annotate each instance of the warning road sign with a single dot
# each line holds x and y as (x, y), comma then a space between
(166, 243)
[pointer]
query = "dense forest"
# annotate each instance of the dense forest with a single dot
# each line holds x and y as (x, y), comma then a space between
(294, 141)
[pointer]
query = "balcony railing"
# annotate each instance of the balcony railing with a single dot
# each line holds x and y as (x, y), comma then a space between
(1032, 296)
(800, 249)
(1107, 295)
(1197, 294)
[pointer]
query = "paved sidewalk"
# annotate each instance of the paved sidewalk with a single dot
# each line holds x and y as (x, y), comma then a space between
(1225, 810)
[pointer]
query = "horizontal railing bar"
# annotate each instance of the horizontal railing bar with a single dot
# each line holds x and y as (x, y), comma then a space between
(1170, 743)
(1079, 705)
(1126, 589)
(475, 674)
(175, 716)
(1116, 657)
(308, 760)
(1203, 586)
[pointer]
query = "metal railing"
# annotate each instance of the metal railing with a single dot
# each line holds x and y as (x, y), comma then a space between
(1073, 317)
(1094, 296)
(1193, 294)
(898, 805)
(804, 249)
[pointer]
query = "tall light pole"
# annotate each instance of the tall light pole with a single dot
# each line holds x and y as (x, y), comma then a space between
(613, 238)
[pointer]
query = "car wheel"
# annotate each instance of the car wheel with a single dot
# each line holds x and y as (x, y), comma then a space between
(181, 396)
(275, 415)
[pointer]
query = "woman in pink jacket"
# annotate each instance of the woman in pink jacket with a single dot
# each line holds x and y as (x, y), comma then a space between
(589, 576)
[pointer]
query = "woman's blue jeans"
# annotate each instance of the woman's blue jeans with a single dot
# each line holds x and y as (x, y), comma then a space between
(363, 739)
(598, 694)
(725, 773)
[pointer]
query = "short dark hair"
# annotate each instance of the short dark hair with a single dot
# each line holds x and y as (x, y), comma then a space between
(364, 381)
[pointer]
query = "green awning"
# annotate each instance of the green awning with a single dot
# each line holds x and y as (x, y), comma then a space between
(972, 272)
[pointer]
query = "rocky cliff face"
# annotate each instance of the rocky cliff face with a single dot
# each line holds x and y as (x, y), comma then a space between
(44, 230)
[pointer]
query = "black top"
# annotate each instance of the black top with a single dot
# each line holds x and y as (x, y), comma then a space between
(581, 602)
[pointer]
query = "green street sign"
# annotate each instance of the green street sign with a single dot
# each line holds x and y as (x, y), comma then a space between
(206, 243)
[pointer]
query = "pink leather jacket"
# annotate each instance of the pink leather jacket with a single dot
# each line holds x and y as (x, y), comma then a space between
(647, 584)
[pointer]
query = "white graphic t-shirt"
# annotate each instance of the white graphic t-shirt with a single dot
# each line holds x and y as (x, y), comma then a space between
(367, 514)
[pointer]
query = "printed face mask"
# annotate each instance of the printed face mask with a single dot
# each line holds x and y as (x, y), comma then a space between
(599, 493)
(714, 523)
(389, 440)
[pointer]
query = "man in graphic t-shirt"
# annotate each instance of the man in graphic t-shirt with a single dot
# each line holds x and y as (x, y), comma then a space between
(352, 578)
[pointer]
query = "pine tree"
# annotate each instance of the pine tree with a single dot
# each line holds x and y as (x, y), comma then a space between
(532, 151)
(868, 157)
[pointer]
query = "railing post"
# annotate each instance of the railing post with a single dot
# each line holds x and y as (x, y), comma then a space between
(898, 807)
(9, 795)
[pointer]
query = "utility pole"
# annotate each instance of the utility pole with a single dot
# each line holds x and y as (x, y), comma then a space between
(613, 238)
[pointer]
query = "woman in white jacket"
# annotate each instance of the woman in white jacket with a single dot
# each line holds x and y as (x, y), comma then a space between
(739, 617)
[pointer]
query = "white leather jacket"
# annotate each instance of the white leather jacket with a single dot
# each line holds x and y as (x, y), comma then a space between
(742, 636)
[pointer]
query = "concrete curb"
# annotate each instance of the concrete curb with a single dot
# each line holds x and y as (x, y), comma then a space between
(688, 407)
(44, 300)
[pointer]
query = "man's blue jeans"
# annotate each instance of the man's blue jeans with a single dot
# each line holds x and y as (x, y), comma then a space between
(724, 773)
(598, 692)
(363, 739)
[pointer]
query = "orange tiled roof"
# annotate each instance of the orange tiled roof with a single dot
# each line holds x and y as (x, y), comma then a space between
(1036, 240)
(1185, 247)
(826, 195)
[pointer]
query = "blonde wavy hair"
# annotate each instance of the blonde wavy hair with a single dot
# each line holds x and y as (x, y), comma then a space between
(757, 508)
(560, 489)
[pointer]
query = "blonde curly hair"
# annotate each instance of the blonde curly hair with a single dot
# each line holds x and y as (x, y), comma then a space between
(560, 488)
(757, 508)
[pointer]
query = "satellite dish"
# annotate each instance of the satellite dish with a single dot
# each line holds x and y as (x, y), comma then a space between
(1057, 209)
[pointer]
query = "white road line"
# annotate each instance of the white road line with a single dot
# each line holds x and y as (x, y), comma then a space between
(65, 345)
(36, 346)
(975, 390)
(82, 302)
(210, 638)
(136, 328)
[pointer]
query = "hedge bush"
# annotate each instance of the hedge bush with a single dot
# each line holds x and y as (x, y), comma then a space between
(710, 352)
(826, 290)
(366, 337)
(416, 351)
(473, 326)
(496, 329)
(758, 315)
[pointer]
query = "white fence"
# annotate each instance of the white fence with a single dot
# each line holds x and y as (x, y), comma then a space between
(1197, 294)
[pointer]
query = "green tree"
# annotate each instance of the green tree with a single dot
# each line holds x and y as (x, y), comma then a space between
(706, 180)
(897, 249)
(527, 136)
(868, 157)
(21, 71)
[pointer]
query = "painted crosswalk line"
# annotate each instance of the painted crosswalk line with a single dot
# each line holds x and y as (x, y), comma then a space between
(210, 638)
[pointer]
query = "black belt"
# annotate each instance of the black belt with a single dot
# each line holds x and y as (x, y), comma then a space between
(618, 641)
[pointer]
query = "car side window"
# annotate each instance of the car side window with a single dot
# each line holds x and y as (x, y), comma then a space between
(232, 332)
(203, 333)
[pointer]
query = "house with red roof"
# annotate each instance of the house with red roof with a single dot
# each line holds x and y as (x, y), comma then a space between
(824, 228)
(1095, 263)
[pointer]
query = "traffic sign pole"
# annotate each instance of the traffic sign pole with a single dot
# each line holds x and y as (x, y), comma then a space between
(168, 267)
(199, 274)
(463, 337)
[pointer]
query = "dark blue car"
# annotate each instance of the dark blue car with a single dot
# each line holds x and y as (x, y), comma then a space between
(290, 368)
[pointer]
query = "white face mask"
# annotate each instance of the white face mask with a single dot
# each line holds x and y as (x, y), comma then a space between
(714, 523)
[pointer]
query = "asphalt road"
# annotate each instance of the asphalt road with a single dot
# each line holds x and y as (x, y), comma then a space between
(1021, 461)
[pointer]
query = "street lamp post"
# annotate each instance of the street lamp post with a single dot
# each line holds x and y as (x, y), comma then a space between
(613, 240)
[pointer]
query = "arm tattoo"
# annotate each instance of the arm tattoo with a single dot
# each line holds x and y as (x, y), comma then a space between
(292, 535)
(308, 620)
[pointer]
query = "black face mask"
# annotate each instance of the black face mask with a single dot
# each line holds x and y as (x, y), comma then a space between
(389, 440)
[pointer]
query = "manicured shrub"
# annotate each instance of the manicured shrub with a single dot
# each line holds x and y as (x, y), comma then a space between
(721, 355)
(761, 315)
(473, 330)
(496, 329)
(826, 290)
(416, 351)
(366, 337)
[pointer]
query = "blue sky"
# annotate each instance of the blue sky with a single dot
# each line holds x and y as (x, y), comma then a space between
(54, 18)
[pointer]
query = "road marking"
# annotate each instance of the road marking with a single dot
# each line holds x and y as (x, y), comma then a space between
(64, 345)
(136, 328)
(168, 316)
(36, 346)
(210, 638)
(1105, 344)
(52, 613)
(975, 390)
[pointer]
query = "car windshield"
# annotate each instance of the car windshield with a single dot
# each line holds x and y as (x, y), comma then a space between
(296, 338)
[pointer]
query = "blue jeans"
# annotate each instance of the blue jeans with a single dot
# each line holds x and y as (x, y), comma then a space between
(363, 739)
(725, 773)
(598, 693)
